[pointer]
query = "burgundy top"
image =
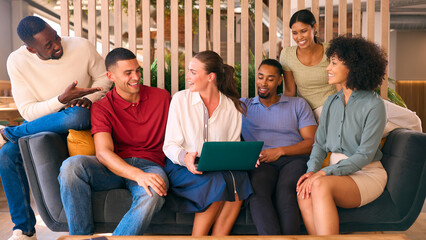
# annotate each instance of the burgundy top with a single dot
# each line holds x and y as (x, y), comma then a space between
(137, 129)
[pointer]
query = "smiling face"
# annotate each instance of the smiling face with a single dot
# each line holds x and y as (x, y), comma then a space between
(197, 78)
(126, 76)
(337, 71)
(46, 44)
(303, 34)
(267, 81)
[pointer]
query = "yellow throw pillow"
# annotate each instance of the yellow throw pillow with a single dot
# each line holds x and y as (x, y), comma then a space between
(80, 143)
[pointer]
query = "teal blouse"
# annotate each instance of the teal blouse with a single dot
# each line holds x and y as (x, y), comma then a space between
(354, 130)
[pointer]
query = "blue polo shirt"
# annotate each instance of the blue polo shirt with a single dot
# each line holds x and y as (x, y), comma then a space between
(279, 124)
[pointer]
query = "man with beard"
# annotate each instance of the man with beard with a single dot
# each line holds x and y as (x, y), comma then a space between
(287, 126)
(54, 82)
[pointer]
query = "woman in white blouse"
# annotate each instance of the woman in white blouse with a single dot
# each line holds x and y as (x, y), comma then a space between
(210, 110)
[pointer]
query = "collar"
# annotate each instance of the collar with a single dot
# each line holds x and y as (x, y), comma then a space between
(123, 104)
(196, 98)
(282, 99)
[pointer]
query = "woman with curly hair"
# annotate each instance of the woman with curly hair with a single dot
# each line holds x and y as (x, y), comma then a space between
(351, 127)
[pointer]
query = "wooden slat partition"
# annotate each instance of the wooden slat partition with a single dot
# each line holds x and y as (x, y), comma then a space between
(356, 17)
(202, 26)
(414, 94)
(188, 37)
(174, 45)
(146, 43)
(211, 38)
(370, 20)
(65, 22)
(300, 4)
(216, 26)
(78, 26)
(244, 48)
(384, 13)
(273, 29)
(230, 42)
(286, 22)
(315, 11)
(105, 27)
(160, 44)
(131, 25)
(91, 22)
(343, 16)
(117, 24)
(328, 20)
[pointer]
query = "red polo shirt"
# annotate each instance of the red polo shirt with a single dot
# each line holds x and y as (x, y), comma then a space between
(137, 129)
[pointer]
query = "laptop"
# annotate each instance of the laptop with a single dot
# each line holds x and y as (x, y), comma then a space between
(218, 156)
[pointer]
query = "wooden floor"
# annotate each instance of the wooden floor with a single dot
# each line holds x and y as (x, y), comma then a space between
(416, 232)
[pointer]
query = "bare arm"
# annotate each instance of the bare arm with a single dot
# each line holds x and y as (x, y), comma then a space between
(105, 154)
(300, 148)
(289, 84)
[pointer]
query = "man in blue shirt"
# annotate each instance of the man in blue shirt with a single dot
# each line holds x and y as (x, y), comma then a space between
(287, 126)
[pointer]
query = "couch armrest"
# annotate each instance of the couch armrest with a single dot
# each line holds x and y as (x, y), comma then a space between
(404, 159)
(43, 154)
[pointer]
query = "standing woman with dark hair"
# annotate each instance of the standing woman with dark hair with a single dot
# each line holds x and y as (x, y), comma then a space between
(351, 127)
(210, 110)
(304, 65)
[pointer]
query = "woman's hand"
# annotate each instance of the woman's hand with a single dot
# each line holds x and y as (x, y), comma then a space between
(189, 162)
(304, 185)
(270, 155)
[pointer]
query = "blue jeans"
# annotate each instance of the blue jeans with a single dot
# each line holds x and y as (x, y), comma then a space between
(12, 171)
(80, 175)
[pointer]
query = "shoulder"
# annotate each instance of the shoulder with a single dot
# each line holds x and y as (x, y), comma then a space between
(247, 101)
(17, 55)
(104, 102)
(157, 92)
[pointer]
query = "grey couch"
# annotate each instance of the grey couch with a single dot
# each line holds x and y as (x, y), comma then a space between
(395, 210)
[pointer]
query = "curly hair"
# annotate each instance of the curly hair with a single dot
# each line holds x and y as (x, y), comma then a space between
(365, 60)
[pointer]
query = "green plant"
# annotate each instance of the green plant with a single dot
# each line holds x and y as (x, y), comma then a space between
(393, 96)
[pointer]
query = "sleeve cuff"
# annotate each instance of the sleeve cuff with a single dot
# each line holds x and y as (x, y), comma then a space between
(181, 157)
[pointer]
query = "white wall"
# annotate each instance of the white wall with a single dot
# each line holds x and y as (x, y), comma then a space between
(6, 39)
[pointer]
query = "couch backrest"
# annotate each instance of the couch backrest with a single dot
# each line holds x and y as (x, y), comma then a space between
(404, 158)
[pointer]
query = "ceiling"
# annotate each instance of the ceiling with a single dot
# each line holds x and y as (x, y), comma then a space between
(404, 14)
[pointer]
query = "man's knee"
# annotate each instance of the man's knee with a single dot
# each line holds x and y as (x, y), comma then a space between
(77, 118)
(73, 168)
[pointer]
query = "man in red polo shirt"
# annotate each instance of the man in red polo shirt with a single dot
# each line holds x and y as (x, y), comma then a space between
(128, 127)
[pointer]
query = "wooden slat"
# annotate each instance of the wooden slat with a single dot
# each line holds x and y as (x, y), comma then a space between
(370, 20)
(91, 21)
(384, 16)
(117, 24)
(78, 27)
(300, 4)
(343, 12)
(202, 25)
(65, 22)
(146, 43)
(273, 29)
(244, 48)
(356, 17)
(315, 11)
(286, 21)
(328, 20)
(131, 25)
(230, 40)
(160, 44)
(258, 39)
(188, 35)
(174, 45)
(216, 26)
(105, 27)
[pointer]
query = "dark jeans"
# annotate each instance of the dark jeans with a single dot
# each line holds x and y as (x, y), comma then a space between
(273, 206)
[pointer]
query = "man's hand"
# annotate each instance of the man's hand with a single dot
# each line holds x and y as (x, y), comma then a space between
(189, 162)
(154, 181)
(72, 92)
(81, 102)
(270, 155)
